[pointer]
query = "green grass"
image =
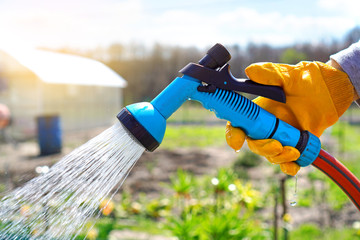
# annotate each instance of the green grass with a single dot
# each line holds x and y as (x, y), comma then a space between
(312, 232)
(194, 136)
(193, 112)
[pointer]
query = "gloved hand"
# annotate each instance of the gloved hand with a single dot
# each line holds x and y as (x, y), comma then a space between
(316, 96)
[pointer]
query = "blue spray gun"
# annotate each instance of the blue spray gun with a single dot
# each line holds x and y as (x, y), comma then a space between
(211, 83)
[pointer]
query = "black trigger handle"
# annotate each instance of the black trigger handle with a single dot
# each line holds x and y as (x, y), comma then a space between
(272, 92)
(225, 80)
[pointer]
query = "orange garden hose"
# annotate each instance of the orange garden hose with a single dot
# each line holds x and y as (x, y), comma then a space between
(337, 172)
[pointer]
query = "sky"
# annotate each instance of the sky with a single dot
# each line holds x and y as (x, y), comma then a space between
(87, 24)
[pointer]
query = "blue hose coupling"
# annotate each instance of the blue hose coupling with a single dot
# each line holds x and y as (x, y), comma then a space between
(309, 146)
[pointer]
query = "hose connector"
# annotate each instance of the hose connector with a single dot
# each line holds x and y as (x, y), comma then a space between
(309, 147)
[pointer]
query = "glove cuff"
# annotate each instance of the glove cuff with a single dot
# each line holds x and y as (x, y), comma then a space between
(339, 86)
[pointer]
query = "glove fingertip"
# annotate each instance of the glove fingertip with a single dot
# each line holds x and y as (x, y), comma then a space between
(289, 154)
(265, 147)
(290, 168)
(235, 137)
(265, 73)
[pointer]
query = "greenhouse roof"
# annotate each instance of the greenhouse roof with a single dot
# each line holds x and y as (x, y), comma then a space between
(61, 68)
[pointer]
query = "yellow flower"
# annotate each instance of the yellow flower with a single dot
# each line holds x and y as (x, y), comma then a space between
(136, 207)
(92, 234)
(106, 207)
(287, 218)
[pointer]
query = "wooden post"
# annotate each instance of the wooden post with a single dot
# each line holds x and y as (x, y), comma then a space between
(276, 217)
(284, 205)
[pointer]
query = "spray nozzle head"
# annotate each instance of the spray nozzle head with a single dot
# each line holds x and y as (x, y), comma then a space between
(144, 123)
(215, 57)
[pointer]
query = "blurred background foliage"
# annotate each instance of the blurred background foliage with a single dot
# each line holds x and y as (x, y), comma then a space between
(149, 69)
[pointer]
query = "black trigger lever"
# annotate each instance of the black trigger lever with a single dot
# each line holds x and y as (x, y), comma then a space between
(223, 79)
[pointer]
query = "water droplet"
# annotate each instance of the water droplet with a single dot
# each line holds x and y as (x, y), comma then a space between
(42, 169)
(237, 150)
(293, 202)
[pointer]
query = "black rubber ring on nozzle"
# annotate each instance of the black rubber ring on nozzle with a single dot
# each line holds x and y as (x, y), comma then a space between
(137, 130)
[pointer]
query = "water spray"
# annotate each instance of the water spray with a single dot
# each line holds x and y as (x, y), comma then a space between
(211, 83)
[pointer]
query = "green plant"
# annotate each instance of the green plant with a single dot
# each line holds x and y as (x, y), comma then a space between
(230, 224)
(307, 231)
(224, 212)
(225, 177)
(199, 209)
(247, 196)
(104, 226)
(185, 227)
(182, 183)
(157, 208)
(312, 231)
(222, 226)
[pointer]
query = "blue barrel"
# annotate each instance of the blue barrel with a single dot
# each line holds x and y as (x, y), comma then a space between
(49, 134)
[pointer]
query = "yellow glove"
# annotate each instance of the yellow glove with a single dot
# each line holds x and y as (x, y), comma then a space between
(316, 96)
